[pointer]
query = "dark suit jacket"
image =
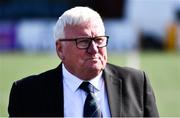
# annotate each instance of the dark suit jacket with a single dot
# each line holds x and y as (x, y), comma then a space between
(129, 94)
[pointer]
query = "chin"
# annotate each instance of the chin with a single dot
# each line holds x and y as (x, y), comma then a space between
(95, 68)
(94, 65)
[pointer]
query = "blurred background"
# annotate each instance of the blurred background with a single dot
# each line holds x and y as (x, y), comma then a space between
(144, 34)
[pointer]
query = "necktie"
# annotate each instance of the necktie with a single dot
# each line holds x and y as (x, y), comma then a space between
(91, 108)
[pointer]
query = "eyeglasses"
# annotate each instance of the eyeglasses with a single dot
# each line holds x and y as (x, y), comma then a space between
(85, 42)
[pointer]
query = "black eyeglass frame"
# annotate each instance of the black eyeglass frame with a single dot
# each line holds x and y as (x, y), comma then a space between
(91, 38)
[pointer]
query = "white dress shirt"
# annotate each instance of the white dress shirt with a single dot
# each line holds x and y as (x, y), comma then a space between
(74, 97)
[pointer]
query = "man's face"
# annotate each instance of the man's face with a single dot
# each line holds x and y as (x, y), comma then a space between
(84, 63)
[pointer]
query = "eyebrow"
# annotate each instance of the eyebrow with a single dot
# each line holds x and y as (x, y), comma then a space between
(71, 39)
(86, 37)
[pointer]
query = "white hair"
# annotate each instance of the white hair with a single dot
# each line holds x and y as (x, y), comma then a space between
(76, 16)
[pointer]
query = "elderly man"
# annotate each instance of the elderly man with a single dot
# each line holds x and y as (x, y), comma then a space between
(84, 84)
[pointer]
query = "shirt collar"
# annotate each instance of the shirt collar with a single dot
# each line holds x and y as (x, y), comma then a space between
(74, 82)
(97, 81)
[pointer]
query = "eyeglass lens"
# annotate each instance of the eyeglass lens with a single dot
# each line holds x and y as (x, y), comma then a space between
(83, 43)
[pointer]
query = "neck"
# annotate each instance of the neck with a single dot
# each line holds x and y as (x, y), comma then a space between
(85, 74)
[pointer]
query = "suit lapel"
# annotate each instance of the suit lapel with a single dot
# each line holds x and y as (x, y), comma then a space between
(54, 90)
(113, 87)
(60, 92)
(114, 92)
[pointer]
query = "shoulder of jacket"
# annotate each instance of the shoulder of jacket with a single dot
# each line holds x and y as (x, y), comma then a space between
(37, 79)
(124, 71)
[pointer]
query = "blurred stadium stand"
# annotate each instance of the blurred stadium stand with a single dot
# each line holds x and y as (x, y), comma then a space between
(17, 9)
(132, 24)
(7, 35)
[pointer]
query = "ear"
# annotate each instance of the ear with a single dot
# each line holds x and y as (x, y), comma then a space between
(59, 49)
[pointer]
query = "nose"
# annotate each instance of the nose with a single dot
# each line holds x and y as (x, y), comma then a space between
(93, 49)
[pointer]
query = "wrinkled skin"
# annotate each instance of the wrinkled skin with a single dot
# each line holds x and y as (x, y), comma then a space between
(83, 63)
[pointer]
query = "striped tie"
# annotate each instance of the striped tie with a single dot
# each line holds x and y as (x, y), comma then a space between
(91, 108)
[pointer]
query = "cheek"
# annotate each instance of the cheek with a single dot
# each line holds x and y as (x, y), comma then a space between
(103, 54)
(69, 52)
(81, 57)
(77, 56)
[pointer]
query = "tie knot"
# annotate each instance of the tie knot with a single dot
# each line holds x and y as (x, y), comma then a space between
(87, 87)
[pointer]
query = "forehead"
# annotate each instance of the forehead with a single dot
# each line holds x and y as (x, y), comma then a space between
(84, 29)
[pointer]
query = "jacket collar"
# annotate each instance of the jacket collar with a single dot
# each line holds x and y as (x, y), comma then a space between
(113, 87)
(114, 91)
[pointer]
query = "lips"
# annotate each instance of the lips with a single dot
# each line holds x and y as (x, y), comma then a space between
(92, 58)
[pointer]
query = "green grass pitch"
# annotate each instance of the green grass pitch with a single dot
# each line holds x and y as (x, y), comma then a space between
(162, 68)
